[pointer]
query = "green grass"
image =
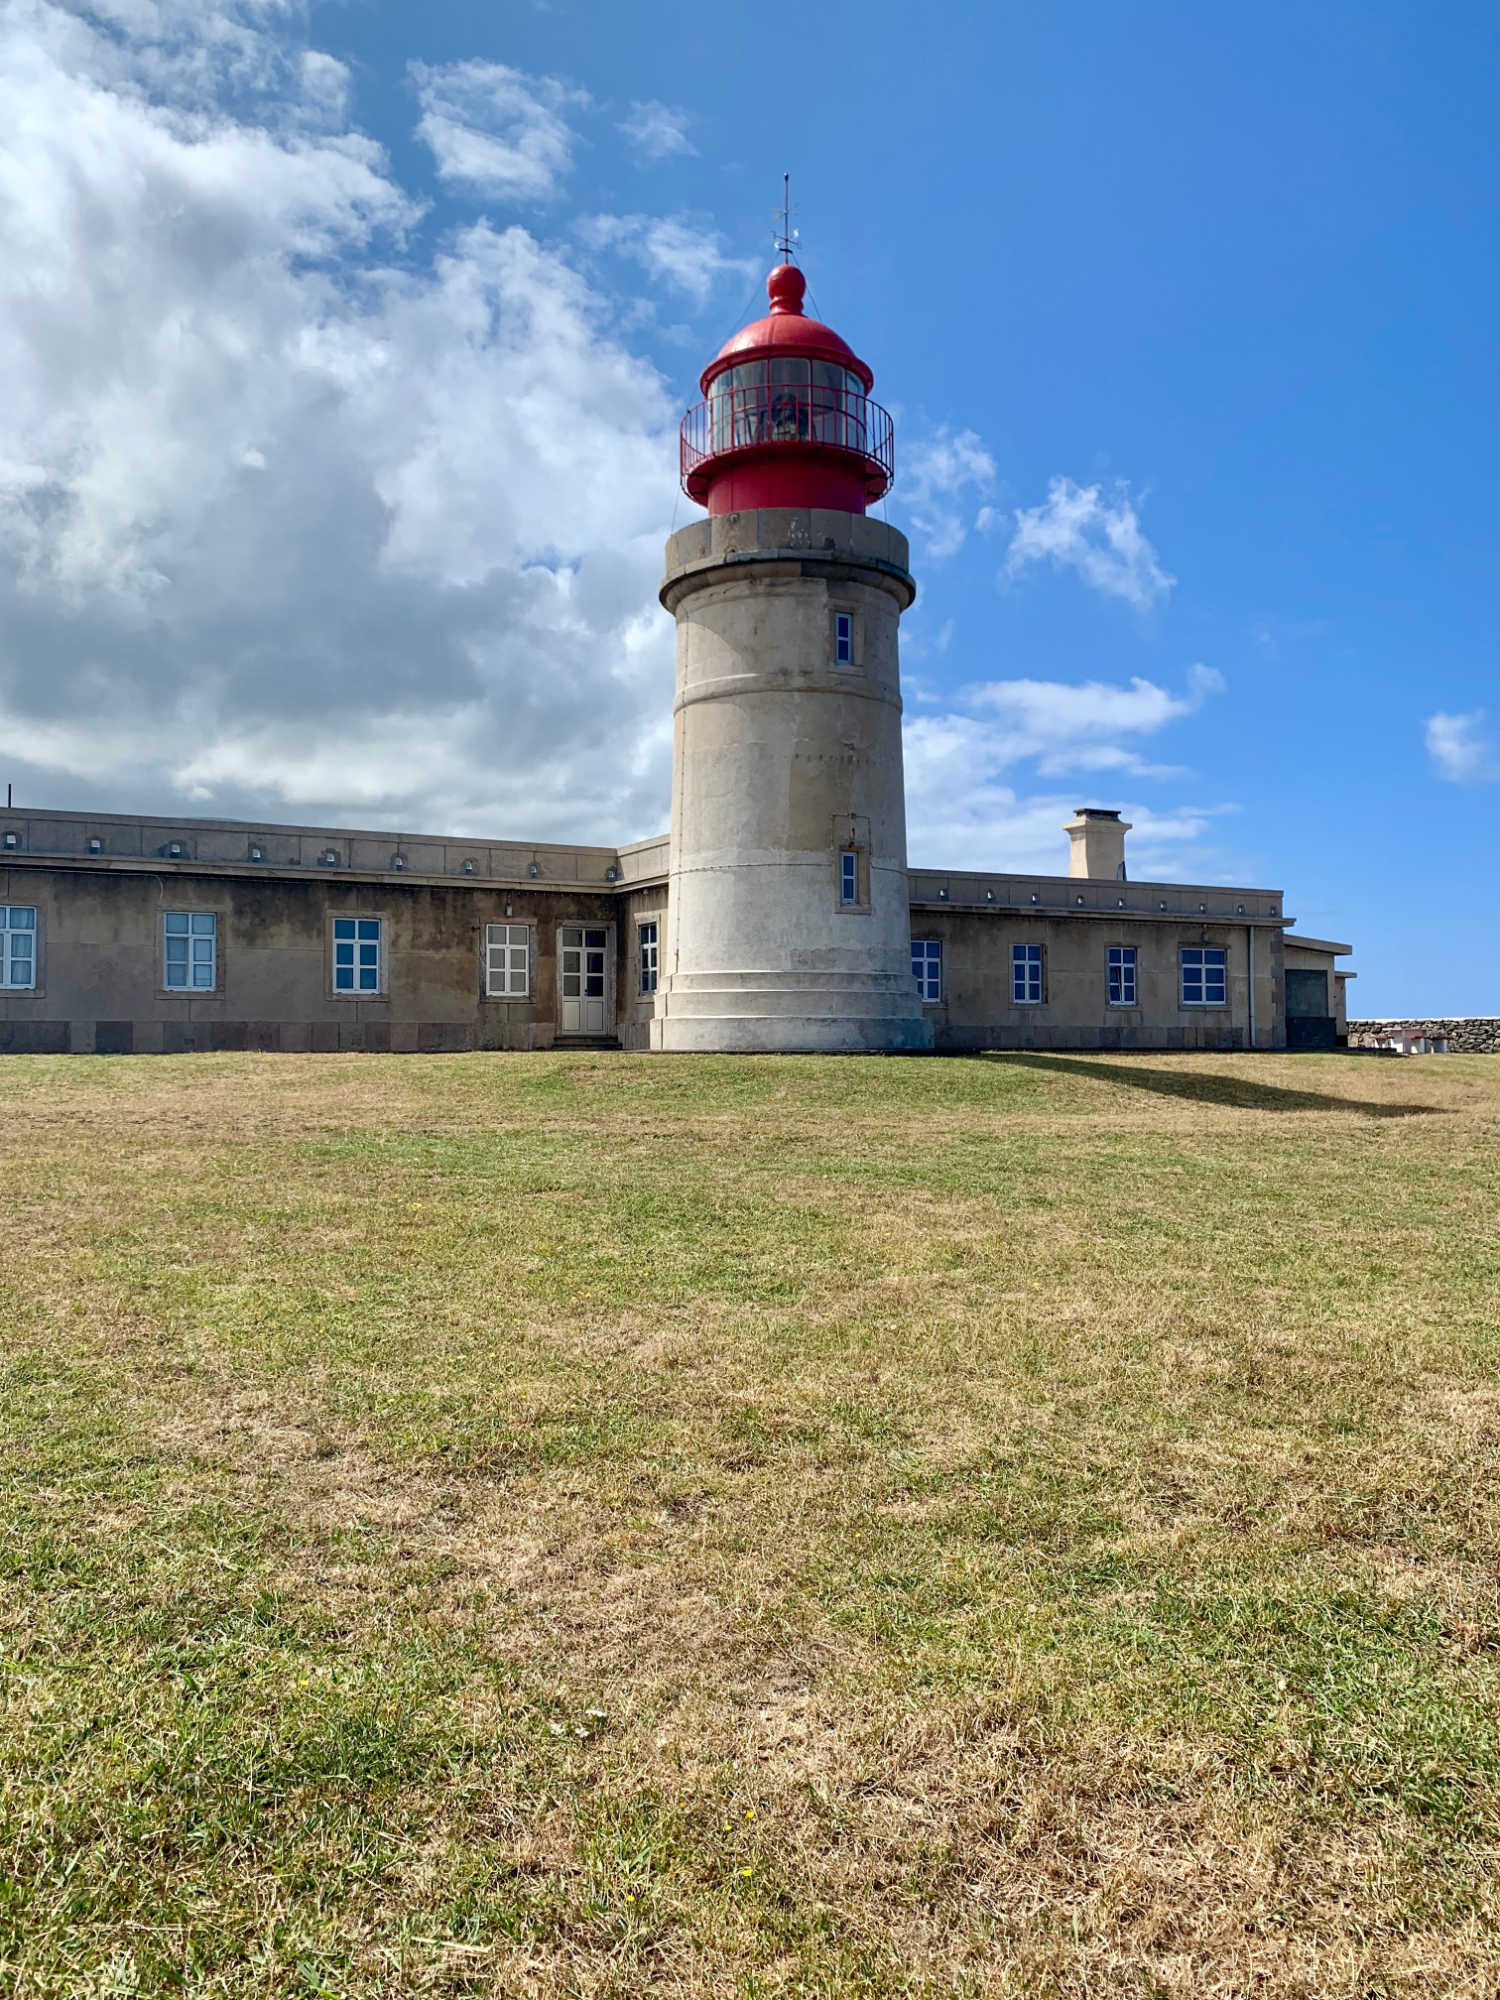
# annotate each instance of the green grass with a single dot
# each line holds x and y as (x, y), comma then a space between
(610, 1526)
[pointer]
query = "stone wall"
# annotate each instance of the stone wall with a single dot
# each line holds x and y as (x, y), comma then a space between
(1468, 1034)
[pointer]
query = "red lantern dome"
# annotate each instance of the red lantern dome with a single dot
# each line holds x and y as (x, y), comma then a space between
(786, 419)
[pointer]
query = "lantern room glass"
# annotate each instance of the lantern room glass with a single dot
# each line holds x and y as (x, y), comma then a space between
(788, 399)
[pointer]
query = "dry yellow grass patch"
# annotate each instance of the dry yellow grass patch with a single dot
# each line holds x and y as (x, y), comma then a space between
(612, 1526)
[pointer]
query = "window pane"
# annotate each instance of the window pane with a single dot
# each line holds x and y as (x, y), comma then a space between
(595, 939)
(790, 371)
(343, 927)
(572, 986)
(343, 978)
(203, 925)
(203, 977)
(369, 927)
(176, 922)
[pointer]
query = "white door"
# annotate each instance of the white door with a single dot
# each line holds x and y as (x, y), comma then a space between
(584, 955)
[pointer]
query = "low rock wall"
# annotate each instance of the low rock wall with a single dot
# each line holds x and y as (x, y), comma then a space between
(1469, 1035)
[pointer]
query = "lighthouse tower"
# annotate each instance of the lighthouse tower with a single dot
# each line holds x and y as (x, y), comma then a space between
(788, 912)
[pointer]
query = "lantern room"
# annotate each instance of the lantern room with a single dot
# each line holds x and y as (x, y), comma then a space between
(786, 419)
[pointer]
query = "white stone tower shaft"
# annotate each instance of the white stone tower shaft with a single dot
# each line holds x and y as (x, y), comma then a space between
(788, 921)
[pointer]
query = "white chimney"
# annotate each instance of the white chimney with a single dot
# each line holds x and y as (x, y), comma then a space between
(1097, 844)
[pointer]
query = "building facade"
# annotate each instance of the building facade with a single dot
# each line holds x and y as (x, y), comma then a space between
(129, 934)
(779, 912)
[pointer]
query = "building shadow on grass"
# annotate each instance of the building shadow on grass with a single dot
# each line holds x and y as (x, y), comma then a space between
(1235, 1093)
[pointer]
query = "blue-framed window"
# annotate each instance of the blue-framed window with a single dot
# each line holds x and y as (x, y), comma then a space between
(1122, 975)
(190, 951)
(17, 944)
(849, 875)
(649, 950)
(1026, 975)
(357, 964)
(1204, 981)
(927, 968)
(843, 638)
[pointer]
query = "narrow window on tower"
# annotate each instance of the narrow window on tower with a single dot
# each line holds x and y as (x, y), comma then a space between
(648, 957)
(843, 638)
(849, 877)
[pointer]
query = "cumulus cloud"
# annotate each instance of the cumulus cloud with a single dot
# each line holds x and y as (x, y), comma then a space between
(963, 805)
(657, 131)
(1075, 726)
(1094, 534)
(963, 811)
(288, 519)
(670, 248)
(1459, 747)
(494, 129)
(942, 477)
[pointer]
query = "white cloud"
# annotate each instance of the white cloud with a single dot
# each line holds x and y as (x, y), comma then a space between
(1099, 537)
(288, 519)
(1459, 747)
(657, 131)
(962, 812)
(1070, 726)
(673, 250)
(940, 478)
(494, 129)
(964, 808)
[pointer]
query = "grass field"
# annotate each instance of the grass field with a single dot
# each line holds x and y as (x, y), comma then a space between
(625, 1526)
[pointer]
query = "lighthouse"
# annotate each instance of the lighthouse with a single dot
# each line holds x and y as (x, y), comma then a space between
(789, 907)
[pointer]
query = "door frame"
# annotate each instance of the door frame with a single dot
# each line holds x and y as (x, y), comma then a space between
(610, 1025)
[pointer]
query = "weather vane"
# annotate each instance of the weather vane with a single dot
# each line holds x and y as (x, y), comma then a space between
(786, 236)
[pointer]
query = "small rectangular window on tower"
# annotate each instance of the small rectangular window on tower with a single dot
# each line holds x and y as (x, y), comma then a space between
(843, 638)
(648, 957)
(849, 876)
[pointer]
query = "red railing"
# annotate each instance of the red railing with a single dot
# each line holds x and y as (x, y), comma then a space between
(773, 413)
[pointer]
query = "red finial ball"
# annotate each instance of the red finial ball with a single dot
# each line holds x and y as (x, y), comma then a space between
(785, 287)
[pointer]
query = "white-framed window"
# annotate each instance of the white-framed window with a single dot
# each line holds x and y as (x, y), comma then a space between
(849, 876)
(507, 961)
(1122, 975)
(649, 951)
(843, 638)
(189, 951)
(357, 955)
(927, 968)
(1204, 981)
(17, 944)
(1026, 975)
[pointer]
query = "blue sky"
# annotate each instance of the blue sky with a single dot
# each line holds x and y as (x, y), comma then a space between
(344, 347)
